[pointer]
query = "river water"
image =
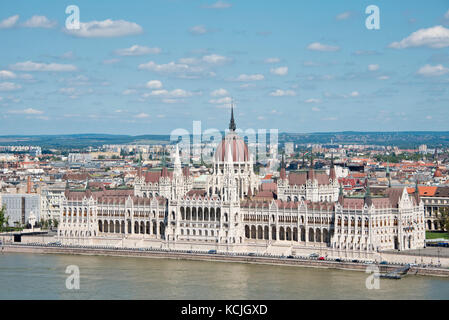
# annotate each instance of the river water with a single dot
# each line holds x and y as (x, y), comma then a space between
(39, 276)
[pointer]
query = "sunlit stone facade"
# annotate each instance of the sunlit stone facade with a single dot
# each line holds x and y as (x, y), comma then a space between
(236, 212)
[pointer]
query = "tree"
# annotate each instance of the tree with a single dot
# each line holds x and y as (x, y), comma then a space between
(443, 218)
(3, 218)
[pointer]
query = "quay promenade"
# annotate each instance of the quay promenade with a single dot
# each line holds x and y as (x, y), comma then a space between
(300, 261)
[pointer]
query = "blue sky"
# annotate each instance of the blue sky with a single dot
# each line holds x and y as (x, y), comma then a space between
(149, 67)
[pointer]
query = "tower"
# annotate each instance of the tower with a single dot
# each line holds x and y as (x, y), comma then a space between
(232, 125)
(367, 198)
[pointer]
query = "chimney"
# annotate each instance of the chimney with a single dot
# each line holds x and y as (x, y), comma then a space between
(28, 184)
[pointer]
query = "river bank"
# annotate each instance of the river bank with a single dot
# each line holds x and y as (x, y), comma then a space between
(173, 255)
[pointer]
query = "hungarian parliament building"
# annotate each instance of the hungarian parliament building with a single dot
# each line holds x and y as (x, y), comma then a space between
(236, 212)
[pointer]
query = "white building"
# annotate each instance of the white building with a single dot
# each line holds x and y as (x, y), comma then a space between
(19, 207)
(234, 212)
(51, 199)
(289, 148)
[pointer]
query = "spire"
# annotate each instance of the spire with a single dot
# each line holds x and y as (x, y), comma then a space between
(368, 200)
(177, 162)
(332, 173)
(417, 190)
(283, 175)
(310, 173)
(341, 196)
(232, 126)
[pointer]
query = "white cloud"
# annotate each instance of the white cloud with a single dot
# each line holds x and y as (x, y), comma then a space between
(436, 37)
(39, 22)
(219, 92)
(383, 77)
(176, 93)
(225, 100)
(316, 46)
(433, 71)
(200, 29)
(272, 60)
(69, 91)
(446, 16)
(354, 94)
(343, 16)
(165, 68)
(106, 29)
(129, 91)
(311, 64)
(373, 67)
(281, 71)
(5, 74)
(215, 59)
(315, 109)
(154, 84)
(26, 111)
(142, 115)
(247, 85)
(172, 101)
(35, 66)
(250, 77)
(283, 93)
(313, 100)
(9, 86)
(137, 50)
(218, 5)
(9, 22)
(189, 60)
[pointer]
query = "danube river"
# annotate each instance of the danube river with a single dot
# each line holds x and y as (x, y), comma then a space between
(38, 276)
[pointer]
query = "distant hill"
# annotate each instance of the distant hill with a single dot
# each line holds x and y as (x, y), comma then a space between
(405, 139)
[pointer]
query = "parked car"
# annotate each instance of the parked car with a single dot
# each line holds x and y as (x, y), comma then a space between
(383, 262)
(314, 255)
(212, 252)
(321, 258)
(338, 260)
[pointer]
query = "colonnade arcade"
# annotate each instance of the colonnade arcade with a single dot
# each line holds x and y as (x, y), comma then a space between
(202, 214)
(303, 234)
(140, 227)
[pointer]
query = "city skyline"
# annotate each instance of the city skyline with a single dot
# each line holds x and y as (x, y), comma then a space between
(152, 67)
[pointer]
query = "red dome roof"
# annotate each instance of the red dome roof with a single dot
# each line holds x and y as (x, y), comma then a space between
(438, 174)
(236, 145)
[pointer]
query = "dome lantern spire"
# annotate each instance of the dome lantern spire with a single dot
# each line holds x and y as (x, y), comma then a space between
(232, 126)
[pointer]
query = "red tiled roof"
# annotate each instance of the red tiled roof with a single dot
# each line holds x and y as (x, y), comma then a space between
(300, 178)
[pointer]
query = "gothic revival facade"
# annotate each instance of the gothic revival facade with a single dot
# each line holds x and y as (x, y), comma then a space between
(236, 211)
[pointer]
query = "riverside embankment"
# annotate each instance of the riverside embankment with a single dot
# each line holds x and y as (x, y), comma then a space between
(162, 254)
